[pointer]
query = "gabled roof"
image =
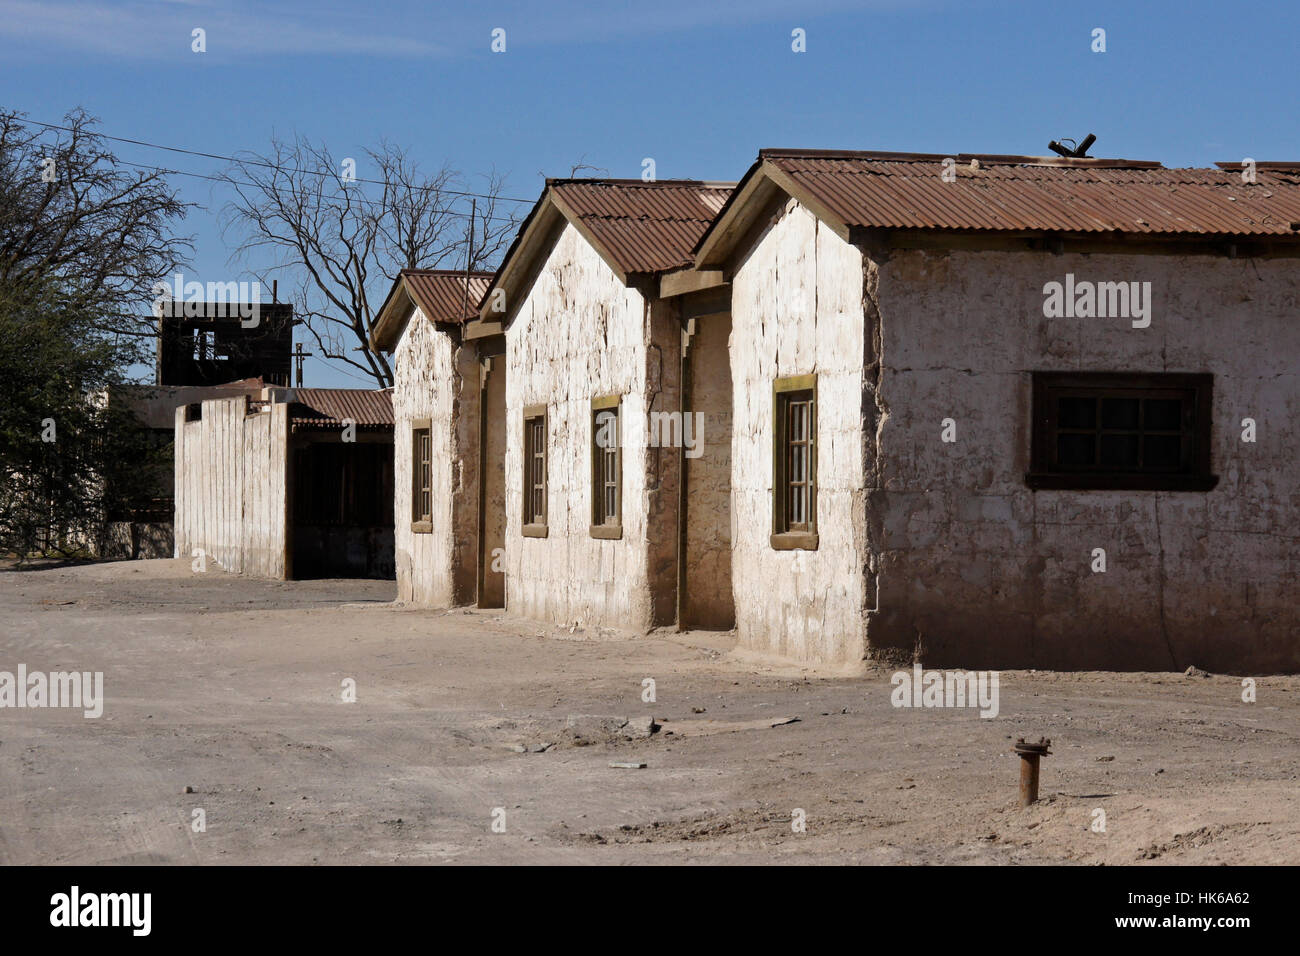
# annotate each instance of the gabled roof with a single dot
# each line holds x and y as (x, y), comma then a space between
(331, 406)
(643, 227)
(1010, 194)
(640, 229)
(440, 294)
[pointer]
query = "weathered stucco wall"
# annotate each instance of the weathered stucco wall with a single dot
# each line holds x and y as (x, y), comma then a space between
(495, 494)
(230, 486)
(797, 309)
(578, 334)
(708, 602)
(436, 379)
(977, 570)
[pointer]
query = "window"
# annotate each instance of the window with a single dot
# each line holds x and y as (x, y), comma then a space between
(606, 469)
(422, 476)
(1139, 432)
(794, 463)
(534, 490)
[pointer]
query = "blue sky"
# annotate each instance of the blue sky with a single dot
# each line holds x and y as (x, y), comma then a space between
(698, 86)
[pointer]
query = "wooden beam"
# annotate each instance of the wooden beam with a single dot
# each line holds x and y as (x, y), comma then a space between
(685, 281)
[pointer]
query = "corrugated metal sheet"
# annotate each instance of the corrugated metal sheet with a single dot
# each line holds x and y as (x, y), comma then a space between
(646, 227)
(1007, 194)
(330, 406)
(440, 293)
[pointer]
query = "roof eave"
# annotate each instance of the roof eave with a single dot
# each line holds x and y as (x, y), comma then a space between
(763, 181)
(518, 265)
(392, 318)
(592, 240)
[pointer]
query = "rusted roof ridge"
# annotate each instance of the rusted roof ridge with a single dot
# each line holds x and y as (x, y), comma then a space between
(1085, 162)
(441, 293)
(1064, 199)
(370, 407)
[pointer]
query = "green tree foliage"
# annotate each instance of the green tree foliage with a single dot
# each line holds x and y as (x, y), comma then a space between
(82, 239)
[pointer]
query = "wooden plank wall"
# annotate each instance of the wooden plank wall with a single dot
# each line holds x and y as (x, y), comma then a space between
(230, 487)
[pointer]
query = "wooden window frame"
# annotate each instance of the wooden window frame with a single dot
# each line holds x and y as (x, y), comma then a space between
(533, 528)
(1194, 389)
(803, 536)
(601, 524)
(421, 523)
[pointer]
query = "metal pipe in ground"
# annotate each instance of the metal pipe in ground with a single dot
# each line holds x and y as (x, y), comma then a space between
(1029, 755)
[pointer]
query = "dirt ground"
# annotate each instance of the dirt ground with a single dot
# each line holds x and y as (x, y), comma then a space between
(233, 687)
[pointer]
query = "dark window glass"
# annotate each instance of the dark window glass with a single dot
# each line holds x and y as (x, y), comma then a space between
(1109, 430)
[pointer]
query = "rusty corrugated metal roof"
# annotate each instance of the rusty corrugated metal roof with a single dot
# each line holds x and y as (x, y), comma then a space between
(330, 406)
(1015, 194)
(644, 227)
(440, 293)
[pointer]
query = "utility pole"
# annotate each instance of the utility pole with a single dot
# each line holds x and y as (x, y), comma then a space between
(299, 355)
(469, 256)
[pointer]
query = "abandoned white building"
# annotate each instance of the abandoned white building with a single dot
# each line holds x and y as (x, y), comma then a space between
(980, 411)
(145, 529)
(588, 348)
(1014, 411)
(204, 350)
(293, 483)
(439, 397)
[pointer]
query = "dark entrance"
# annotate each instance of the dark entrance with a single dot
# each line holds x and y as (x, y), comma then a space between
(342, 506)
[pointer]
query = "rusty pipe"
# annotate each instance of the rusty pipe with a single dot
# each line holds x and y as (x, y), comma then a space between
(1029, 755)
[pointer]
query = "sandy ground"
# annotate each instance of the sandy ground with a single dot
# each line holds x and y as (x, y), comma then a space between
(232, 687)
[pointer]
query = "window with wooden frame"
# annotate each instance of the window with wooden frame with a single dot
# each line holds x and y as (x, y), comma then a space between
(422, 476)
(534, 470)
(606, 468)
(794, 463)
(1126, 431)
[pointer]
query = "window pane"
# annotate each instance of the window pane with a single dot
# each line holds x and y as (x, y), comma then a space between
(1119, 413)
(1119, 451)
(794, 451)
(1076, 450)
(1162, 451)
(1163, 414)
(1077, 413)
(1134, 430)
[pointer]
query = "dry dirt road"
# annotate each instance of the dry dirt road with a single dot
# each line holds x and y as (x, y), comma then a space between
(233, 687)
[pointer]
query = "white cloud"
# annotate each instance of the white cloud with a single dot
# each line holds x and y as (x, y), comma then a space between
(161, 29)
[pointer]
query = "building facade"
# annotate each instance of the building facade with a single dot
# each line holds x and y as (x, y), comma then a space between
(294, 483)
(973, 411)
(1039, 392)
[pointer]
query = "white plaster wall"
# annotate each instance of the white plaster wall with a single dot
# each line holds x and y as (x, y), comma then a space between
(977, 570)
(797, 309)
(425, 386)
(579, 333)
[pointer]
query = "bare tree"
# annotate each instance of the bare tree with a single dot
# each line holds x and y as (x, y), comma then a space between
(344, 232)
